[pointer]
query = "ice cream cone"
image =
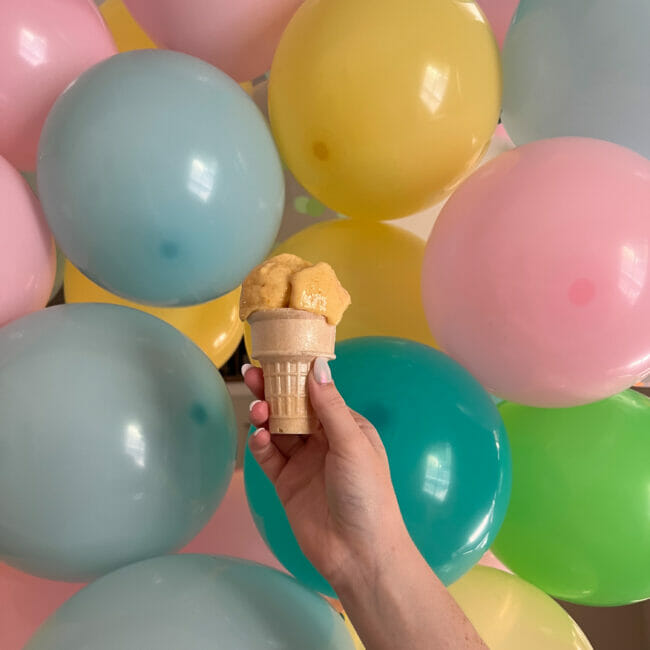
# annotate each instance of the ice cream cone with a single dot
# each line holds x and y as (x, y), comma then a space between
(286, 342)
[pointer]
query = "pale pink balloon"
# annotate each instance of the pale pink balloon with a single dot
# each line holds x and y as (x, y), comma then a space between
(232, 531)
(27, 253)
(25, 603)
(536, 275)
(44, 46)
(499, 13)
(237, 36)
(490, 560)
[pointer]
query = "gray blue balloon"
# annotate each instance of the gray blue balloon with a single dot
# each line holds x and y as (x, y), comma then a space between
(194, 602)
(578, 68)
(117, 440)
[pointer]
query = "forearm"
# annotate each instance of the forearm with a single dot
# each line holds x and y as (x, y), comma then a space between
(400, 604)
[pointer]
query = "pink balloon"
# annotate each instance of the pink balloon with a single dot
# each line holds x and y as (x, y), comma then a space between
(27, 253)
(490, 560)
(238, 36)
(232, 531)
(499, 13)
(25, 602)
(44, 46)
(536, 275)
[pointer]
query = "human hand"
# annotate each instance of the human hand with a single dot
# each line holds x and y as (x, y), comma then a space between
(335, 485)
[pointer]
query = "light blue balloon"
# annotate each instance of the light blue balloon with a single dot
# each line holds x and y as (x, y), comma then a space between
(579, 68)
(447, 448)
(117, 440)
(160, 179)
(194, 602)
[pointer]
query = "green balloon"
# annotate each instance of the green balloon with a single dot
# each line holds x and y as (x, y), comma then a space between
(578, 525)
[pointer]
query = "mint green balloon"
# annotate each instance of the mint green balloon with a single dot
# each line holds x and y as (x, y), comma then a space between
(194, 602)
(117, 440)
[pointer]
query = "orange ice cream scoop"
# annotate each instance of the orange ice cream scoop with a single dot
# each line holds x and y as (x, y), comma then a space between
(268, 286)
(288, 281)
(318, 290)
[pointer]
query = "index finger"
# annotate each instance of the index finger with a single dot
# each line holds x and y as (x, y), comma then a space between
(254, 379)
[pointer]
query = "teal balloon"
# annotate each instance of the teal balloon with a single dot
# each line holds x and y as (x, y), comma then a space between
(447, 448)
(578, 68)
(160, 179)
(117, 440)
(194, 602)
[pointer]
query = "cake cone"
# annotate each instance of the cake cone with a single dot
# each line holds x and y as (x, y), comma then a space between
(286, 342)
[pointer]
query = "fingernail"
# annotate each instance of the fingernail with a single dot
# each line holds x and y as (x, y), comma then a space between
(245, 368)
(322, 372)
(257, 431)
(252, 404)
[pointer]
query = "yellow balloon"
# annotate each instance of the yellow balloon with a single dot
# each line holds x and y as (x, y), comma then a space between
(381, 107)
(380, 265)
(353, 633)
(127, 33)
(214, 326)
(511, 614)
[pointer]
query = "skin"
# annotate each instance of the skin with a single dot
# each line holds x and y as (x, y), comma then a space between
(337, 492)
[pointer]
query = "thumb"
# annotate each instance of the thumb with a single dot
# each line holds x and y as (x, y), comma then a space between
(332, 411)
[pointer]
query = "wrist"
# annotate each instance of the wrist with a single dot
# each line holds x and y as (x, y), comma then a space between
(374, 561)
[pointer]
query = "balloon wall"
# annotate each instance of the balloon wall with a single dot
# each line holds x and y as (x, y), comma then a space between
(153, 152)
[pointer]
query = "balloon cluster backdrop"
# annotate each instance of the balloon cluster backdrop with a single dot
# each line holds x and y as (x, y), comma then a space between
(173, 145)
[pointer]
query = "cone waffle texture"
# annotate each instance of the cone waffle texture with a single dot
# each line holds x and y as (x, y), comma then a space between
(286, 342)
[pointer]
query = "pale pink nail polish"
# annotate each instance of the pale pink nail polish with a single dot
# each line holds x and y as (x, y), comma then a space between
(322, 372)
(252, 404)
(245, 368)
(257, 431)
